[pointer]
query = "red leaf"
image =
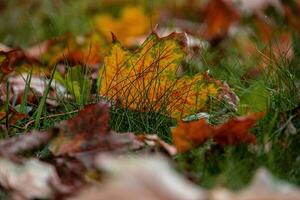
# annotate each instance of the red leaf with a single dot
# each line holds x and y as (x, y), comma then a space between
(188, 135)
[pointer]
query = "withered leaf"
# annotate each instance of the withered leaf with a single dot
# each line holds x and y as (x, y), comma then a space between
(12, 58)
(264, 186)
(292, 15)
(236, 130)
(28, 141)
(154, 141)
(89, 131)
(188, 135)
(137, 177)
(12, 116)
(30, 180)
(87, 57)
(219, 16)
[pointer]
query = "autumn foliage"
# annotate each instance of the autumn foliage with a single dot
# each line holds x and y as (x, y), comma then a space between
(188, 135)
(146, 80)
(149, 100)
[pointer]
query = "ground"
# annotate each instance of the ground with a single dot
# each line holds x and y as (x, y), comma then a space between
(221, 94)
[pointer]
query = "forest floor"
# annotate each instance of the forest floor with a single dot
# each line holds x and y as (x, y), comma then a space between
(150, 99)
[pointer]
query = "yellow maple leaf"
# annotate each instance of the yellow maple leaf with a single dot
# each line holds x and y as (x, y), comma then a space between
(132, 23)
(146, 79)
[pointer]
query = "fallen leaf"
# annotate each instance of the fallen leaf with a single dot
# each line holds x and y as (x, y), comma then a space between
(30, 180)
(87, 57)
(72, 172)
(219, 17)
(12, 58)
(12, 116)
(265, 28)
(229, 96)
(154, 141)
(4, 48)
(28, 141)
(264, 186)
(132, 19)
(292, 15)
(282, 47)
(256, 6)
(280, 42)
(38, 50)
(70, 50)
(236, 130)
(188, 135)
(88, 132)
(136, 177)
(146, 80)
(37, 87)
(15, 116)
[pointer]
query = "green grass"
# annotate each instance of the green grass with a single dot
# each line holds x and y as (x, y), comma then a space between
(124, 120)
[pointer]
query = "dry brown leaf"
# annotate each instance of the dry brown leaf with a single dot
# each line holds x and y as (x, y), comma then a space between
(137, 178)
(236, 130)
(292, 15)
(265, 28)
(30, 180)
(37, 87)
(263, 187)
(154, 141)
(255, 6)
(87, 57)
(28, 141)
(12, 116)
(140, 178)
(12, 58)
(88, 132)
(38, 50)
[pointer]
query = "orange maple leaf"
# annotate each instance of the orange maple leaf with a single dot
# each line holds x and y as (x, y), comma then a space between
(188, 135)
